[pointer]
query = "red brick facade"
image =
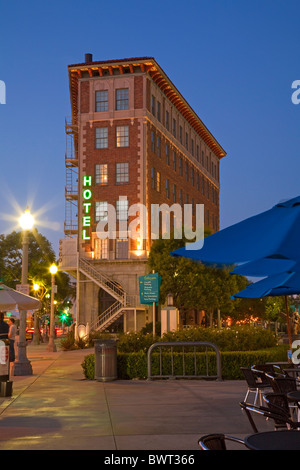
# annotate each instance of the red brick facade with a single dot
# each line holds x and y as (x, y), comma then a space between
(186, 158)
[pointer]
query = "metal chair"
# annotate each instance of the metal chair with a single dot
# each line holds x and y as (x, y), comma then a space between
(272, 369)
(217, 441)
(257, 383)
(282, 384)
(279, 403)
(281, 419)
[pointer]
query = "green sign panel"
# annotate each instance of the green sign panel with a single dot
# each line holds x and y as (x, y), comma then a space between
(149, 286)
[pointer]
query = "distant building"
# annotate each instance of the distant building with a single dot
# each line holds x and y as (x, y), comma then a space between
(132, 139)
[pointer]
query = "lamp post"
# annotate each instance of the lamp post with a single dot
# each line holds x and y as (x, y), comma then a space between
(169, 316)
(36, 334)
(51, 345)
(22, 364)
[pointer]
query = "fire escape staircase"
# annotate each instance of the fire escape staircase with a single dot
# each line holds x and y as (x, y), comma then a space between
(118, 308)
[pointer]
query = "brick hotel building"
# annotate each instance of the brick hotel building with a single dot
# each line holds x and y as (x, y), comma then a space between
(132, 139)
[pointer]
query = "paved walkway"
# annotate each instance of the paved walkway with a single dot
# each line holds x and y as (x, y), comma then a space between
(57, 408)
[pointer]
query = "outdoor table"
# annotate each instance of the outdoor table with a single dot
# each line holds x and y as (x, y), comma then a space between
(294, 396)
(274, 440)
(293, 371)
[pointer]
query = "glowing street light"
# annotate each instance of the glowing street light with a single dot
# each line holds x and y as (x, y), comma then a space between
(51, 345)
(22, 364)
(26, 220)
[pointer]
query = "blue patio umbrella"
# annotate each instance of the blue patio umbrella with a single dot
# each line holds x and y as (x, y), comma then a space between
(271, 236)
(266, 266)
(276, 285)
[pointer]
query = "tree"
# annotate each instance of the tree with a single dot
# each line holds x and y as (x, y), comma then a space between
(40, 257)
(193, 285)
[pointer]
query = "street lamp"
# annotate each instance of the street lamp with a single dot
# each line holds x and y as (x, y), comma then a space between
(36, 334)
(51, 345)
(22, 364)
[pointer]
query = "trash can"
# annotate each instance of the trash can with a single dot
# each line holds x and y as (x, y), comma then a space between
(105, 360)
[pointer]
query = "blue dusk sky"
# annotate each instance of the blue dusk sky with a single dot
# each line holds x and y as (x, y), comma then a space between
(234, 61)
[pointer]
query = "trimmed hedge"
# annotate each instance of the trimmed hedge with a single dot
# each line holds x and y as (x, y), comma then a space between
(241, 338)
(134, 365)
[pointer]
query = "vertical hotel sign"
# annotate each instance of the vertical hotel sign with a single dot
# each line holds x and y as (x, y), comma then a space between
(87, 196)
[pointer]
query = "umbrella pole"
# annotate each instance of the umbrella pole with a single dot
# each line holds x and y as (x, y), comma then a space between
(288, 320)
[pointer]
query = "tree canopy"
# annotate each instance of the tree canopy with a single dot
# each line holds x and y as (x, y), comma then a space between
(40, 257)
(193, 284)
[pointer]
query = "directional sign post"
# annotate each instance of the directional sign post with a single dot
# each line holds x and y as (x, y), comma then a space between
(149, 286)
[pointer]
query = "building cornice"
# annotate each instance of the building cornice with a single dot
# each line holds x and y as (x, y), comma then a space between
(149, 66)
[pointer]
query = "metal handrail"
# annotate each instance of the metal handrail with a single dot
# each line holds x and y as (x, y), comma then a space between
(107, 314)
(183, 344)
(107, 283)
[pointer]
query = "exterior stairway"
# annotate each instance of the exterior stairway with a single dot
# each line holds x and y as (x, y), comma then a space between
(118, 308)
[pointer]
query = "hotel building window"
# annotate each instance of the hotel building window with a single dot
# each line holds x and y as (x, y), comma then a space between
(174, 192)
(158, 146)
(174, 160)
(158, 107)
(122, 136)
(122, 209)
(167, 154)
(167, 188)
(122, 101)
(122, 173)
(186, 171)
(101, 138)
(153, 178)
(180, 166)
(101, 173)
(101, 248)
(174, 128)
(193, 176)
(153, 105)
(121, 248)
(202, 186)
(186, 141)
(180, 134)
(153, 141)
(158, 180)
(167, 120)
(180, 197)
(101, 103)
(101, 211)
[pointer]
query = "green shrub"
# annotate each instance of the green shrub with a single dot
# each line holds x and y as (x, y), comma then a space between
(88, 366)
(227, 339)
(135, 342)
(68, 343)
(242, 338)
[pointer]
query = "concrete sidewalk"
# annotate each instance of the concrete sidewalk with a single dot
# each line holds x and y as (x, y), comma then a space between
(58, 409)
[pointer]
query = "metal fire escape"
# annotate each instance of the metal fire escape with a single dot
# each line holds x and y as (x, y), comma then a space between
(71, 187)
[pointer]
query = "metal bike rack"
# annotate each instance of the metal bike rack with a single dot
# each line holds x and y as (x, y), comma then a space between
(183, 344)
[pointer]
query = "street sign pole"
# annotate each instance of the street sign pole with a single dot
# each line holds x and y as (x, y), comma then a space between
(153, 314)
